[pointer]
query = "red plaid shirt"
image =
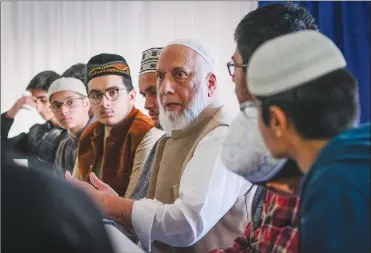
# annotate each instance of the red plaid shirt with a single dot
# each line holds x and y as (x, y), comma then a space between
(278, 231)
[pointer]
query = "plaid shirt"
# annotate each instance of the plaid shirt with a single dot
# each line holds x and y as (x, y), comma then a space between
(277, 232)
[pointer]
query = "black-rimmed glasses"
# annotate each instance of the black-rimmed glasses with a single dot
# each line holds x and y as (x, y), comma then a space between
(69, 103)
(232, 67)
(111, 94)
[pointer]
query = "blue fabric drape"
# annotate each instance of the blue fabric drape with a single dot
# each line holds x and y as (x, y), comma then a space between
(348, 25)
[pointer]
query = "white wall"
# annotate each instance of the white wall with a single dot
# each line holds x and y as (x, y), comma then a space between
(37, 36)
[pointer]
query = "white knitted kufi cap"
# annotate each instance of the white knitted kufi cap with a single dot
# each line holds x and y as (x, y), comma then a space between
(200, 48)
(292, 60)
(67, 84)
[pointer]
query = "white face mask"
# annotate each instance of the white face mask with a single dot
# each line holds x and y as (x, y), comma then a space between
(244, 151)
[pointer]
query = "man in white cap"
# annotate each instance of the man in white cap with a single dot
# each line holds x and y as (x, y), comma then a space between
(148, 89)
(192, 200)
(274, 224)
(70, 106)
(308, 105)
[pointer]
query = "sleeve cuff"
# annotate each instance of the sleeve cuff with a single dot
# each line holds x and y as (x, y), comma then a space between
(143, 215)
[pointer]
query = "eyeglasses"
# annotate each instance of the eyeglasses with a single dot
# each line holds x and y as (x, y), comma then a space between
(69, 103)
(232, 67)
(111, 94)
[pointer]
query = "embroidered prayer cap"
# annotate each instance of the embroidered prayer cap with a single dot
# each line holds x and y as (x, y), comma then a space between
(149, 60)
(200, 48)
(67, 84)
(107, 64)
(290, 61)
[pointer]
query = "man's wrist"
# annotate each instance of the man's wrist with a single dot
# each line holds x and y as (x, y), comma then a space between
(9, 114)
(118, 209)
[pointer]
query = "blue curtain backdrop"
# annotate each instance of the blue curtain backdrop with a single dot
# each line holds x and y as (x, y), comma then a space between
(348, 25)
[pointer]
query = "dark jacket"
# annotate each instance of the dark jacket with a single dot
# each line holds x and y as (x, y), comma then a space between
(38, 146)
(335, 199)
(140, 190)
(67, 151)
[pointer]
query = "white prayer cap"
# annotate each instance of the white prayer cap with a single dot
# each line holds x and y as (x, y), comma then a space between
(200, 48)
(291, 60)
(67, 84)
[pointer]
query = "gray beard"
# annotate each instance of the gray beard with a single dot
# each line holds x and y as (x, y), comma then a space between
(180, 120)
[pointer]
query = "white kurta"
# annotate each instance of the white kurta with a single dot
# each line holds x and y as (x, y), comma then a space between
(213, 208)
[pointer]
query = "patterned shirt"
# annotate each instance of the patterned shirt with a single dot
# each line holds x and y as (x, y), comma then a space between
(277, 232)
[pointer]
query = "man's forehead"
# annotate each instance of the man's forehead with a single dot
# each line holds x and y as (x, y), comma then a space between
(39, 93)
(176, 55)
(147, 80)
(104, 83)
(236, 56)
(63, 95)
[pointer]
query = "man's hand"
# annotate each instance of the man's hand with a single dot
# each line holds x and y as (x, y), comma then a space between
(95, 193)
(119, 209)
(101, 186)
(25, 100)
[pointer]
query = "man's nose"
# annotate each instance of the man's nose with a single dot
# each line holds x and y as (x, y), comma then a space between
(39, 106)
(149, 102)
(167, 86)
(105, 102)
(64, 109)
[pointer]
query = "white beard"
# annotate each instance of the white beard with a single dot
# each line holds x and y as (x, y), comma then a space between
(179, 120)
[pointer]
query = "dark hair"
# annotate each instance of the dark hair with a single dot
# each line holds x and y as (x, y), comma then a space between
(78, 71)
(289, 171)
(43, 80)
(269, 22)
(319, 109)
(128, 83)
(44, 214)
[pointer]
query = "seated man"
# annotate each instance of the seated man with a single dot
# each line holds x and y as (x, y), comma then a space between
(40, 144)
(70, 105)
(275, 219)
(307, 115)
(193, 203)
(117, 145)
(148, 89)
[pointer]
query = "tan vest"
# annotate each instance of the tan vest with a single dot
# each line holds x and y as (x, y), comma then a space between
(177, 151)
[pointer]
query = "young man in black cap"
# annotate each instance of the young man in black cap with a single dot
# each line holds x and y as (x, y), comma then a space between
(117, 145)
(39, 145)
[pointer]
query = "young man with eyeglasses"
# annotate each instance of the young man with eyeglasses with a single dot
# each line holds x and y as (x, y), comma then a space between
(115, 147)
(70, 106)
(275, 210)
(39, 145)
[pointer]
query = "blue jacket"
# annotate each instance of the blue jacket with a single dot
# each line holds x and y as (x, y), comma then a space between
(335, 198)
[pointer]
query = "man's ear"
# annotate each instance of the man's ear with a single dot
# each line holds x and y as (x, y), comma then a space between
(211, 84)
(278, 121)
(132, 95)
(86, 103)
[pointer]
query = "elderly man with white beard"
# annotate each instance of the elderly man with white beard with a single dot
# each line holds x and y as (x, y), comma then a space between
(193, 204)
